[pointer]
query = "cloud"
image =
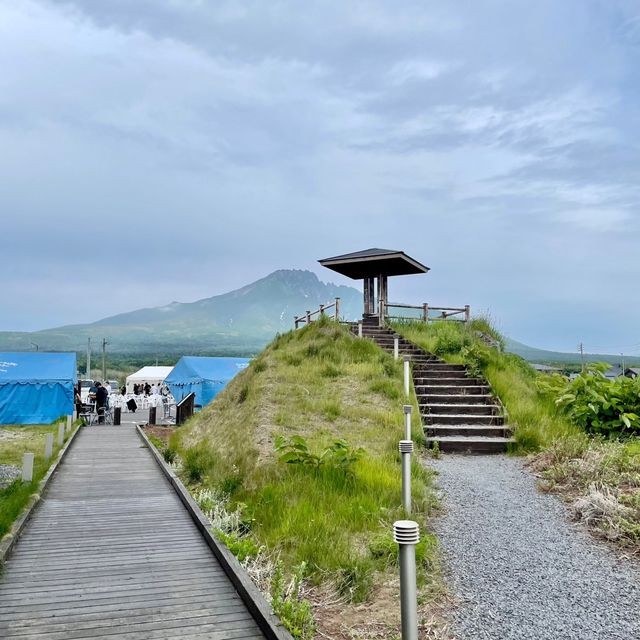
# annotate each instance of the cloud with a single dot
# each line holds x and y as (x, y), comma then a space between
(174, 150)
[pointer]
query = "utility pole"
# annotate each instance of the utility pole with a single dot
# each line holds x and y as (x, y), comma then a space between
(582, 355)
(88, 371)
(104, 355)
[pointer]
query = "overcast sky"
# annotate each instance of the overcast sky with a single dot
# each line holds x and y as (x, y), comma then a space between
(163, 150)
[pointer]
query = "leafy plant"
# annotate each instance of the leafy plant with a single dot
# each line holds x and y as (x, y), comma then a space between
(339, 455)
(289, 605)
(476, 358)
(596, 403)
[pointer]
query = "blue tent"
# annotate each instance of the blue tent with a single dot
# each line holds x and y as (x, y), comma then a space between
(36, 387)
(204, 376)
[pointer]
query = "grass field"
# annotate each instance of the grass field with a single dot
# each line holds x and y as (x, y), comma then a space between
(332, 516)
(15, 440)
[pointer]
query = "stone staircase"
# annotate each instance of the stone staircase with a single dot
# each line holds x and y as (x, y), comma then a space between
(458, 411)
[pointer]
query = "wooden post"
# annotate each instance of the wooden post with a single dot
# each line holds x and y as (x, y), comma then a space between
(61, 434)
(295, 321)
(27, 467)
(467, 313)
(321, 310)
(359, 329)
(337, 315)
(425, 312)
(381, 312)
(308, 317)
(48, 446)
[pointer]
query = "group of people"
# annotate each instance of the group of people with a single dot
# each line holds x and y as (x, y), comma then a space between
(146, 389)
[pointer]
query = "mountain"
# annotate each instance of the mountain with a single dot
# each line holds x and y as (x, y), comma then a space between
(542, 356)
(238, 322)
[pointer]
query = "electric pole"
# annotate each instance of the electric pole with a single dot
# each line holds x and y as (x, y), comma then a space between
(104, 355)
(582, 355)
(88, 371)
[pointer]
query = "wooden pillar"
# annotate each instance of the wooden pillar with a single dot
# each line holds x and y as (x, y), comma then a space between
(369, 297)
(382, 297)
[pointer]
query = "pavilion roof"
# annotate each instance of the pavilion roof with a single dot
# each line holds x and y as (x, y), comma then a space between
(374, 262)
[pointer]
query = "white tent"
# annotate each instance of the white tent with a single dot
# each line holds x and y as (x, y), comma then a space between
(152, 375)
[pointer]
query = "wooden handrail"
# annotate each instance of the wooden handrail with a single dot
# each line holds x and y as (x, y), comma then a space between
(445, 312)
(307, 317)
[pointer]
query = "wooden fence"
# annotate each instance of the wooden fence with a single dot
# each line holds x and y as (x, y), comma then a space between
(309, 316)
(428, 313)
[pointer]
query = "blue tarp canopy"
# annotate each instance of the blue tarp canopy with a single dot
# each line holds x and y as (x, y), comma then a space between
(36, 387)
(206, 377)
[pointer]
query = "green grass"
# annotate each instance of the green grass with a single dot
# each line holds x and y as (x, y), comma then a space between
(16, 440)
(323, 384)
(534, 418)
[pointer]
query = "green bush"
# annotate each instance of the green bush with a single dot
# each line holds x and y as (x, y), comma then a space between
(339, 455)
(196, 462)
(242, 547)
(599, 405)
(169, 454)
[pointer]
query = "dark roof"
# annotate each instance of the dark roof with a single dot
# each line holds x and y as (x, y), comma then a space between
(374, 262)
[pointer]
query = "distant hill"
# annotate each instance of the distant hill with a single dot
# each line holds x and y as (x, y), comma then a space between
(239, 322)
(542, 356)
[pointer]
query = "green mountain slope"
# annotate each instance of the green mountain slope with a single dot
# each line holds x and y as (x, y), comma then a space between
(543, 356)
(241, 321)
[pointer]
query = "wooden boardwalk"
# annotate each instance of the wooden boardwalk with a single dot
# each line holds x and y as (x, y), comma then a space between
(111, 552)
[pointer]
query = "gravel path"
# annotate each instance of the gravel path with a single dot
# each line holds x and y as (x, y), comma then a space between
(519, 568)
(8, 473)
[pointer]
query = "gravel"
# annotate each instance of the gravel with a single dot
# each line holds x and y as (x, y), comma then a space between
(8, 473)
(519, 568)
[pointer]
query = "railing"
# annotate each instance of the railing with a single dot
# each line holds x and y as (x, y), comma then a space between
(308, 316)
(426, 312)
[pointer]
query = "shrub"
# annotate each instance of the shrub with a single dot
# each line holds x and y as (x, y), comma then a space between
(598, 404)
(196, 461)
(242, 547)
(339, 455)
(169, 455)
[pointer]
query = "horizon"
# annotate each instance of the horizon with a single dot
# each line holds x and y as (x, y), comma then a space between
(160, 152)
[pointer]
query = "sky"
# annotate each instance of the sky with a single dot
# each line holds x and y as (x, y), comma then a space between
(164, 150)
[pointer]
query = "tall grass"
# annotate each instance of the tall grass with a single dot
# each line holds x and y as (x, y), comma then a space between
(322, 383)
(27, 438)
(534, 417)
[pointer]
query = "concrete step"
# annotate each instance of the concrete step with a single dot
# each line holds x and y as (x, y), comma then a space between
(433, 419)
(448, 381)
(464, 409)
(439, 365)
(470, 444)
(467, 430)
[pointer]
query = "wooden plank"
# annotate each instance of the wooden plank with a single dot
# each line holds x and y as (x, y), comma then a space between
(112, 553)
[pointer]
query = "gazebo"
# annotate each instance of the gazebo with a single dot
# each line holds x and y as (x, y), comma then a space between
(371, 265)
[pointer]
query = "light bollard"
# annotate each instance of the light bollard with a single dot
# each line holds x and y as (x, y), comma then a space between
(61, 434)
(407, 534)
(406, 449)
(396, 347)
(359, 329)
(27, 467)
(407, 421)
(407, 373)
(48, 445)
(69, 423)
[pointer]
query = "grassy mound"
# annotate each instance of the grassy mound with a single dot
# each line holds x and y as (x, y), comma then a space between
(312, 501)
(533, 415)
